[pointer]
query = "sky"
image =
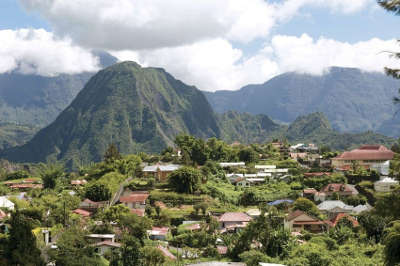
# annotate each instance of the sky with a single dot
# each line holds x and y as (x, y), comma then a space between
(214, 45)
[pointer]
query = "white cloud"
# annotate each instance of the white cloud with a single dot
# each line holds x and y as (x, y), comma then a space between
(305, 54)
(154, 24)
(39, 52)
(148, 24)
(216, 65)
(210, 65)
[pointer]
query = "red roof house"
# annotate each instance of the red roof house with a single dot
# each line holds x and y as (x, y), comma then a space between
(334, 221)
(82, 212)
(135, 200)
(299, 220)
(341, 189)
(233, 221)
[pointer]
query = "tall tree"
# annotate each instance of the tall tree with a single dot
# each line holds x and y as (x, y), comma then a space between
(392, 244)
(50, 173)
(22, 248)
(112, 154)
(392, 6)
(185, 180)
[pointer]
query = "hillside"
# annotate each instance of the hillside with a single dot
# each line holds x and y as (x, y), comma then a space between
(38, 100)
(352, 100)
(138, 109)
(247, 128)
(12, 135)
(315, 128)
(312, 128)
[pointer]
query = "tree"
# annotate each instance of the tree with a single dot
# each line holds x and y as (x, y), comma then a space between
(248, 155)
(50, 173)
(306, 205)
(253, 257)
(373, 224)
(74, 249)
(98, 192)
(185, 180)
(130, 251)
(392, 244)
(21, 249)
(112, 154)
(388, 205)
(392, 6)
(152, 256)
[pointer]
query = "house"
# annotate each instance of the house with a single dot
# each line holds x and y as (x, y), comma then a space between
(309, 193)
(78, 182)
(231, 221)
(339, 216)
(91, 206)
(234, 164)
(104, 246)
(139, 212)
(160, 172)
(222, 250)
(6, 203)
(241, 182)
(255, 181)
(361, 208)
(382, 168)
(385, 185)
(342, 189)
(97, 238)
(333, 207)
(82, 213)
(298, 155)
(366, 155)
(135, 200)
(262, 166)
(253, 213)
(299, 220)
(282, 201)
(317, 174)
(158, 233)
(3, 215)
(26, 186)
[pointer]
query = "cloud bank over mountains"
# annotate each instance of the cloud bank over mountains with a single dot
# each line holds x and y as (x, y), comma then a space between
(198, 41)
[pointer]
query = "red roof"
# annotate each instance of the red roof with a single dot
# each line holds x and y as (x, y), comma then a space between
(30, 180)
(309, 222)
(310, 191)
(297, 213)
(160, 230)
(134, 198)
(333, 222)
(317, 174)
(138, 212)
(367, 152)
(222, 250)
(193, 227)
(82, 212)
(109, 243)
(339, 188)
(160, 204)
(235, 217)
(27, 186)
(2, 215)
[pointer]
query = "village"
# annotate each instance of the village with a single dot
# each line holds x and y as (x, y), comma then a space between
(189, 210)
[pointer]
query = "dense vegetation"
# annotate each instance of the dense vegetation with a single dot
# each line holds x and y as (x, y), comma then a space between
(353, 100)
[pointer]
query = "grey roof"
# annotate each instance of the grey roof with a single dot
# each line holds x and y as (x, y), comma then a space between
(360, 208)
(331, 204)
(166, 168)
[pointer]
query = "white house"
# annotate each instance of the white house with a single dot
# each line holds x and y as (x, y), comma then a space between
(234, 164)
(333, 207)
(382, 168)
(385, 185)
(6, 203)
(265, 166)
(104, 246)
(97, 238)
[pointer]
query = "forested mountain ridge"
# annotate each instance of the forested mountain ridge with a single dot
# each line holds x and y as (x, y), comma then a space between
(352, 100)
(138, 109)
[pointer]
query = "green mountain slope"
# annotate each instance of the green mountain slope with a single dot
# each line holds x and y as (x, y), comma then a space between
(353, 100)
(247, 128)
(12, 135)
(139, 109)
(38, 100)
(312, 128)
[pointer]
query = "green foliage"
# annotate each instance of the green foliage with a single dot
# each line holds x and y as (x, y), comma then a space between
(132, 111)
(185, 180)
(373, 225)
(253, 257)
(152, 256)
(20, 174)
(112, 154)
(131, 251)
(248, 155)
(392, 244)
(21, 248)
(74, 249)
(388, 205)
(306, 206)
(50, 174)
(319, 182)
(98, 192)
